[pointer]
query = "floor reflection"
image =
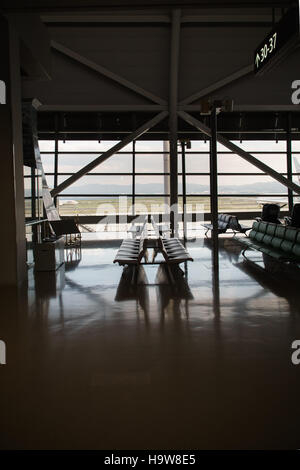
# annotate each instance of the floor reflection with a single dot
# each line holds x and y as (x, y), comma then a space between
(128, 291)
(94, 363)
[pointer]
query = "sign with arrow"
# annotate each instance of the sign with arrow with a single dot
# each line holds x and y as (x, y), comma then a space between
(283, 38)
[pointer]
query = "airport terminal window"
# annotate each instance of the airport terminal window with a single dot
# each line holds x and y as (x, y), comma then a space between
(86, 146)
(195, 204)
(149, 163)
(149, 146)
(196, 184)
(150, 204)
(108, 180)
(249, 184)
(71, 163)
(100, 184)
(47, 145)
(259, 145)
(240, 183)
(296, 158)
(50, 181)
(48, 162)
(33, 193)
(149, 184)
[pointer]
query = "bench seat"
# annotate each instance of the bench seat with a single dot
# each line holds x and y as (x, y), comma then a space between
(223, 224)
(278, 241)
(132, 251)
(227, 221)
(173, 251)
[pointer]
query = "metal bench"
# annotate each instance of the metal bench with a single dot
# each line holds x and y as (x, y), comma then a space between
(278, 241)
(174, 253)
(236, 226)
(223, 224)
(131, 252)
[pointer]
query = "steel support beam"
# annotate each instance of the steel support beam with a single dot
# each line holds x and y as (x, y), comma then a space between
(242, 153)
(133, 177)
(106, 73)
(151, 108)
(56, 137)
(173, 117)
(166, 149)
(94, 17)
(217, 85)
(183, 144)
(289, 163)
(214, 188)
(116, 148)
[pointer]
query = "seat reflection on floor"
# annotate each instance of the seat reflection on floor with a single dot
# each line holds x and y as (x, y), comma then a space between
(128, 291)
(94, 363)
(165, 291)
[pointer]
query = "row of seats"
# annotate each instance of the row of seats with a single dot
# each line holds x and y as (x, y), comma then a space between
(278, 241)
(132, 251)
(271, 213)
(173, 251)
(225, 222)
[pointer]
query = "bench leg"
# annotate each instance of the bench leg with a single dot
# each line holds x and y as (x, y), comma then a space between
(135, 274)
(244, 254)
(155, 253)
(169, 275)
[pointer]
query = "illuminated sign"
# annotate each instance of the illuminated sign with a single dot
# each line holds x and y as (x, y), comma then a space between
(278, 43)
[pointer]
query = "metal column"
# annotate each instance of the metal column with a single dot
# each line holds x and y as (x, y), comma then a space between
(173, 119)
(214, 187)
(55, 182)
(166, 150)
(133, 178)
(183, 188)
(33, 193)
(13, 253)
(289, 159)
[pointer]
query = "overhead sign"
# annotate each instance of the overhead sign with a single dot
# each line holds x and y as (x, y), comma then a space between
(279, 42)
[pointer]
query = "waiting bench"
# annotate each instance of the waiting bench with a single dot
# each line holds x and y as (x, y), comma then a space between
(278, 241)
(173, 251)
(225, 222)
(131, 252)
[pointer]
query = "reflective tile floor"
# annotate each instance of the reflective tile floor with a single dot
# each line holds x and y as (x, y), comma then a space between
(95, 364)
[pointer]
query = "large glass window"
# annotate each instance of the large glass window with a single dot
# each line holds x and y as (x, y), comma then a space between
(150, 163)
(48, 162)
(149, 184)
(140, 174)
(103, 184)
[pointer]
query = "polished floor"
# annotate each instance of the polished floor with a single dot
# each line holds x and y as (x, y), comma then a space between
(95, 364)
